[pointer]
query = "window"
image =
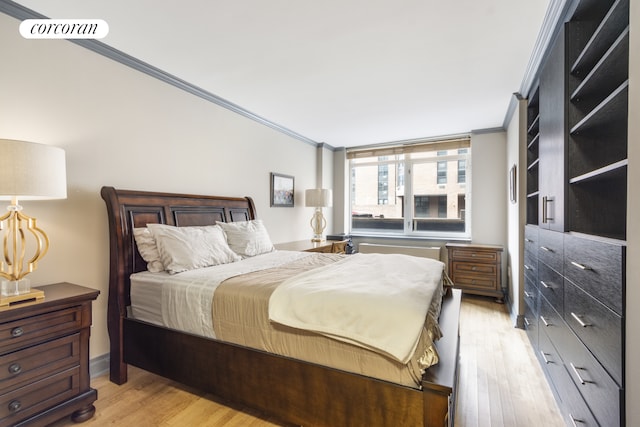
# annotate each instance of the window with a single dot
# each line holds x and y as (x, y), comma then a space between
(413, 190)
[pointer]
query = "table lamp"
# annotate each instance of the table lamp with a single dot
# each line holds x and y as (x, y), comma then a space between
(28, 171)
(318, 198)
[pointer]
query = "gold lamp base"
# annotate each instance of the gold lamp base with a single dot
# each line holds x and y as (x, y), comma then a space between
(318, 224)
(14, 288)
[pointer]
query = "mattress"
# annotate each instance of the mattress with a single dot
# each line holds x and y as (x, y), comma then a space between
(233, 308)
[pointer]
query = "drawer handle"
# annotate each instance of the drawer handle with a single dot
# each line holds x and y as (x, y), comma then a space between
(575, 371)
(544, 357)
(526, 322)
(15, 368)
(17, 332)
(528, 240)
(544, 321)
(579, 320)
(580, 266)
(546, 286)
(15, 405)
(527, 294)
(546, 249)
(575, 420)
(526, 267)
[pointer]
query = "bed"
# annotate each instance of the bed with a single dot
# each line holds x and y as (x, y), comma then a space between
(293, 390)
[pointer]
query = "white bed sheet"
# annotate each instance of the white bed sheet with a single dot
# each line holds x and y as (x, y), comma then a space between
(183, 301)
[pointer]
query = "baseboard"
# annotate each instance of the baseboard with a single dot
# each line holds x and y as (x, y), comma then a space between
(99, 366)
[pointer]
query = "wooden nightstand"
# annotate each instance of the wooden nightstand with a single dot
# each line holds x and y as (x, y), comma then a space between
(44, 358)
(476, 269)
(326, 246)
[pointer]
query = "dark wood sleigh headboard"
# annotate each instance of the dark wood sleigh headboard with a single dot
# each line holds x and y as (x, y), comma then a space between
(127, 210)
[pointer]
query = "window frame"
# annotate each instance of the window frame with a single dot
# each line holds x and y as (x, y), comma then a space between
(403, 160)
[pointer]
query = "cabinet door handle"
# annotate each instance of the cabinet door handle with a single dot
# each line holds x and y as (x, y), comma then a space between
(574, 421)
(575, 371)
(17, 332)
(545, 210)
(15, 405)
(580, 266)
(15, 368)
(579, 320)
(544, 357)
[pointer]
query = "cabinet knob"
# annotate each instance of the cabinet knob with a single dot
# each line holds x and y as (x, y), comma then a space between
(15, 368)
(15, 405)
(17, 332)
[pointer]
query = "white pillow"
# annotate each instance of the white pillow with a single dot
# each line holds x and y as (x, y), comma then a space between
(247, 238)
(188, 248)
(148, 249)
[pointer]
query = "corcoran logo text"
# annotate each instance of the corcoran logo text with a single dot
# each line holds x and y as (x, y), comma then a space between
(63, 28)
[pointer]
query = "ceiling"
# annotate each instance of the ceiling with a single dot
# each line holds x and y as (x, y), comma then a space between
(341, 72)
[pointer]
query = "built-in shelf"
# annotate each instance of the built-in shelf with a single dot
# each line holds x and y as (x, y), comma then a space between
(533, 128)
(614, 105)
(603, 37)
(601, 173)
(608, 73)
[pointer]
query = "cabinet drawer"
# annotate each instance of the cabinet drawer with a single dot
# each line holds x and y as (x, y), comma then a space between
(38, 361)
(36, 397)
(531, 267)
(531, 238)
(551, 322)
(531, 296)
(573, 407)
(474, 268)
(475, 255)
(550, 249)
(23, 332)
(597, 267)
(551, 286)
(531, 325)
(602, 330)
(599, 390)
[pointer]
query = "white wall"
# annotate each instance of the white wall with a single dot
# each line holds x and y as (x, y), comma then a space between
(122, 128)
(633, 225)
(516, 212)
(489, 188)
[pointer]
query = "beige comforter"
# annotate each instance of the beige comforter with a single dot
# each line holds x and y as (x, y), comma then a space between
(241, 306)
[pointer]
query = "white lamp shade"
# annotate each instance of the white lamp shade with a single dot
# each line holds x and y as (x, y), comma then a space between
(30, 171)
(318, 198)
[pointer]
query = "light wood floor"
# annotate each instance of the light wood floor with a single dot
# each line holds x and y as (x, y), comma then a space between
(501, 384)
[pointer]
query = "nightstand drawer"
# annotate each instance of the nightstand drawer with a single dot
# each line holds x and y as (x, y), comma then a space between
(474, 255)
(36, 397)
(31, 330)
(38, 361)
(476, 281)
(475, 269)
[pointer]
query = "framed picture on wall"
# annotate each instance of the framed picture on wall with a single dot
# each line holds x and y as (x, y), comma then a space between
(513, 180)
(282, 190)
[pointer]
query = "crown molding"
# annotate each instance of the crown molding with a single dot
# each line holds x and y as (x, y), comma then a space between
(558, 12)
(20, 12)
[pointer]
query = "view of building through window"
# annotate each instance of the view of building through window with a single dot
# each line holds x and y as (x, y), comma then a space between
(414, 192)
